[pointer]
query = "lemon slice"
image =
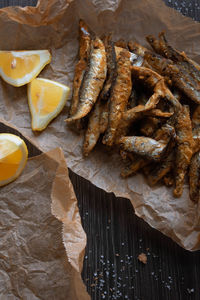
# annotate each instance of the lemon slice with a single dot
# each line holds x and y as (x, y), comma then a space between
(20, 67)
(46, 99)
(13, 157)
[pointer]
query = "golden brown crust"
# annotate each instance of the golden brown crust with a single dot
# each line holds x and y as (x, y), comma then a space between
(84, 40)
(111, 68)
(93, 80)
(84, 51)
(93, 130)
(194, 178)
(183, 73)
(160, 170)
(119, 97)
(78, 77)
(184, 148)
(145, 146)
(134, 166)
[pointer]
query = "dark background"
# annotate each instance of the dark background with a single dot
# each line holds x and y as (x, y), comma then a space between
(116, 236)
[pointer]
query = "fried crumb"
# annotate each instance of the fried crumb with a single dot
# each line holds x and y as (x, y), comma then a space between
(143, 258)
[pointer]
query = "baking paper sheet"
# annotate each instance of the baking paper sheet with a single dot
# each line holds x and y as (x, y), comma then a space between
(53, 25)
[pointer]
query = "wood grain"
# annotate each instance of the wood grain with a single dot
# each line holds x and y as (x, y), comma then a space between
(116, 237)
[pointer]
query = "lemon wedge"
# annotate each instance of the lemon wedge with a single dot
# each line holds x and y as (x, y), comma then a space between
(13, 157)
(20, 67)
(46, 99)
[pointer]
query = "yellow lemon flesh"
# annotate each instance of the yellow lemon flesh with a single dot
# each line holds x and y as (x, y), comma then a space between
(13, 157)
(46, 99)
(20, 67)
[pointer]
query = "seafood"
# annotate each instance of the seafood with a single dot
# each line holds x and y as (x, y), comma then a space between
(160, 170)
(84, 40)
(155, 82)
(168, 179)
(119, 97)
(111, 68)
(134, 166)
(183, 73)
(149, 125)
(103, 123)
(84, 51)
(152, 149)
(184, 148)
(144, 146)
(78, 77)
(194, 177)
(93, 80)
(121, 43)
(133, 100)
(93, 130)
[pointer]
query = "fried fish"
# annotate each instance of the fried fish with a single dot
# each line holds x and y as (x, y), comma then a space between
(194, 178)
(152, 149)
(93, 130)
(120, 94)
(93, 80)
(184, 148)
(111, 68)
(84, 52)
(183, 73)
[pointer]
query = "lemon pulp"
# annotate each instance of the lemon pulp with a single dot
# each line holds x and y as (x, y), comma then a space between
(17, 67)
(45, 97)
(13, 157)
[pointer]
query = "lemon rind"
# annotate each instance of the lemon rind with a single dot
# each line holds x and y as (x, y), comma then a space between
(45, 58)
(40, 123)
(21, 144)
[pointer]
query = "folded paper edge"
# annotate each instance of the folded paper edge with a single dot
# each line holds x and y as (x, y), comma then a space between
(27, 15)
(71, 222)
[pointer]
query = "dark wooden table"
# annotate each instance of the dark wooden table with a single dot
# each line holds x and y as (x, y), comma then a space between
(116, 236)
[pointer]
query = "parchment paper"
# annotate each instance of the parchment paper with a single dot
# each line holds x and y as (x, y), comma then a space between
(53, 24)
(42, 241)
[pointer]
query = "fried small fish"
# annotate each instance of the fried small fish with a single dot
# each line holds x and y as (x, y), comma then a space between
(84, 40)
(184, 148)
(183, 73)
(134, 166)
(149, 125)
(78, 77)
(150, 59)
(84, 52)
(103, 123)
(194, 178)
(135, 59)
(120, 94)
(93, 130)
(144, 146)
(196, 123)
(152, 149)
(93, 80)
(161, 169)
(168, 179)
(111, 68)
(132, 101)
(121, 43)
(156, 83)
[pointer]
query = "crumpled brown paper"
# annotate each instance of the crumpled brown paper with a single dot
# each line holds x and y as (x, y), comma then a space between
(42, 241)
(53, 24)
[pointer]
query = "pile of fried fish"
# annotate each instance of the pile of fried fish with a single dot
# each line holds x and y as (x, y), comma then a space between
(143, 103)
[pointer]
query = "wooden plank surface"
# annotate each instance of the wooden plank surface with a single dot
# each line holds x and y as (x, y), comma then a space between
(116, 237)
